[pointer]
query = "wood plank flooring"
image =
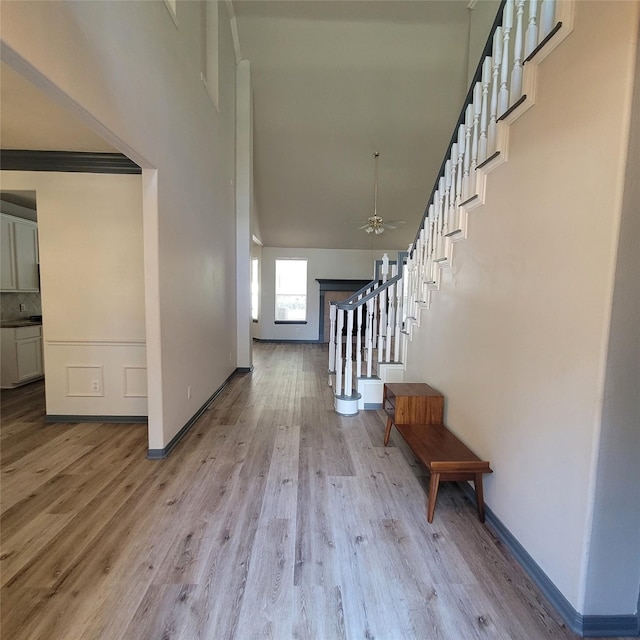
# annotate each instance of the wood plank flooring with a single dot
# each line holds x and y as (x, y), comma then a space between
(273, 518)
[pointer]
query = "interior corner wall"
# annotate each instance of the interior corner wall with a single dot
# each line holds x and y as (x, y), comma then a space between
(340, 264)
(131, 70)
(91, 272)
(244, 203)
(613, 579)
(516, 337)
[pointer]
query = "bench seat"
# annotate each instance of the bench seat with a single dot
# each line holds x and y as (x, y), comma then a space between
(447, 458)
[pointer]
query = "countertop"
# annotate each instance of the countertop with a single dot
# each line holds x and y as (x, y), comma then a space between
(13, 324)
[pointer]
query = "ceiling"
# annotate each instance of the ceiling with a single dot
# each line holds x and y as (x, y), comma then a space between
(333, 82)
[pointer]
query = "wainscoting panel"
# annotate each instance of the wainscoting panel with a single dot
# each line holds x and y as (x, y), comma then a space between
(95, 378)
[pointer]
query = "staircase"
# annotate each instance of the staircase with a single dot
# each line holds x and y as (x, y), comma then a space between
(390, 306)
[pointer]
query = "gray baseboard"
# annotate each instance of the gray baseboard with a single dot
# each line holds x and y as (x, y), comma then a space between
(586, 626)
(160, 454)
(73, 419)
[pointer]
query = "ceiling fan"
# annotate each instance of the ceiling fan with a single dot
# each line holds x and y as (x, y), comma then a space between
(375, 224)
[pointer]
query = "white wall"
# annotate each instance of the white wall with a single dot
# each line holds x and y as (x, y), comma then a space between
(91, 269)
(516, 338)
(133, 74)
(321, 263)
(481, 19)
(613, 581)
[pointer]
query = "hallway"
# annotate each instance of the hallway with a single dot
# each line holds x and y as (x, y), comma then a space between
(273, 518)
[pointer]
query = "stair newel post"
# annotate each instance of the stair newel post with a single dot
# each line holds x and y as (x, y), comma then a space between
(332, 338)
(516, 74)
(385, 267)
(339, 362)
(348, 366)
(477, 108)
(484, 109)
(390, 321)
(507, 23)
(359, 339)
(369, 336)
(531, 38)
(468, 123)
(547, 18)
(448, 200)
(495, 83)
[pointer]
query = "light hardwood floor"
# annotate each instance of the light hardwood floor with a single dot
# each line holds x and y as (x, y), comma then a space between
(273, 518)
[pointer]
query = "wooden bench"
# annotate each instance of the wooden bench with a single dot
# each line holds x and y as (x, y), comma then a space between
(446, 458)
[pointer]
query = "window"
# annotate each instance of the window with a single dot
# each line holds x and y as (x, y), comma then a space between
(291, 290)
(255, 289)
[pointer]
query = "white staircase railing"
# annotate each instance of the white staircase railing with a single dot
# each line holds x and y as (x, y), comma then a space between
(501, 90)
(380, 305)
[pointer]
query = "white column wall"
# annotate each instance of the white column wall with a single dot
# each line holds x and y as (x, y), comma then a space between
(244, 201)
(133, 73)
(517, 337)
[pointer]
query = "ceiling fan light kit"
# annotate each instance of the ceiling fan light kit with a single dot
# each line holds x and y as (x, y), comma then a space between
(375, 224)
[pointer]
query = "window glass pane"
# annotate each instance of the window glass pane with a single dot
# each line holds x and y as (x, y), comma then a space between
(291, 290)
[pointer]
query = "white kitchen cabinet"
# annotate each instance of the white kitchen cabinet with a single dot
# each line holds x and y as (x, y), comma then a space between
(21, 349)
(19, 244)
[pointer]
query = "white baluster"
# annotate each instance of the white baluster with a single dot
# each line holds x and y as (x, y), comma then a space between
(507, 23)
(390, 322)
(374, 323)
(516, 74)
(339, 363)
(460, 171)
(399, 311)
(453, 197)
(448, 200)
(382, 322)
(495, 82)
(531, 39)
(547, 18)
(369, 334)
(436, 218)
(359, 340)
(348, 368)
(442, 212)
(332, 337)
(468, 123)
(484, 110)
(477, 108)
(385, 267)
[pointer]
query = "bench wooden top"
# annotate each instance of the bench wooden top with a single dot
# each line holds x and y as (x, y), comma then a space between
(411, 389)
(441, 450)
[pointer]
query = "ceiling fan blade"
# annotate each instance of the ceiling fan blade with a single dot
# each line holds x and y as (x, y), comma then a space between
(364, 226)
(396, 222)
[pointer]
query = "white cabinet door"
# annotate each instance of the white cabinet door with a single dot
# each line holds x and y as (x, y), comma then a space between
(26, 238)
(29, 354)
(7, 256)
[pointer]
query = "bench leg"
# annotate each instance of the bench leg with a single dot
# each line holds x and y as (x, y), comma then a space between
(434, 483)
(479, 495)
(387, 431)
